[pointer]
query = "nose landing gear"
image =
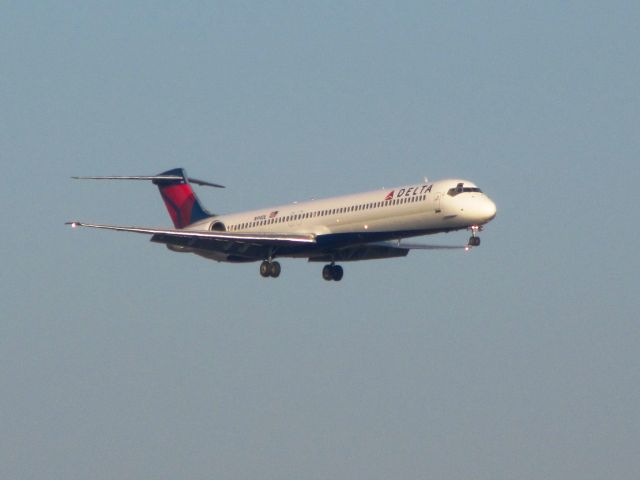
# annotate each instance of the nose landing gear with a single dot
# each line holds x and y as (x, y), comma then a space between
(474, 241)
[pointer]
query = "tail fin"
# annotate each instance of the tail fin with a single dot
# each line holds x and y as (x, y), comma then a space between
(179, 198)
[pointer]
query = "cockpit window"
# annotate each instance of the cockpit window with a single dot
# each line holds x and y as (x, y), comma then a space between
(460, 188)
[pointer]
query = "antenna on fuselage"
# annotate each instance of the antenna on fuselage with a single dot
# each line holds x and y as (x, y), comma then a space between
(426, 179)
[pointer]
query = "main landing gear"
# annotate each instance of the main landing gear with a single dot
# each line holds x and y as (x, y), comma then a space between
(270, 269)
(332, 272)
(474, 241)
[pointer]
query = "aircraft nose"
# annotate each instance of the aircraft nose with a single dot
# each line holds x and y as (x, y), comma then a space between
(488, 210)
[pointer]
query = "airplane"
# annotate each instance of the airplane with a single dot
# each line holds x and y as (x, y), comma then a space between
(362, 226)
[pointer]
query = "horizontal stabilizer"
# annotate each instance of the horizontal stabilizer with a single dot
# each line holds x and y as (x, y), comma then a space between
(154, 178)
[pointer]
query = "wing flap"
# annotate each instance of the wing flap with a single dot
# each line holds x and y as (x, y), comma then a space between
(359, 252)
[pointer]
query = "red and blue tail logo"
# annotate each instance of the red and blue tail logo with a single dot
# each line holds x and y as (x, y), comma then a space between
(180, 199)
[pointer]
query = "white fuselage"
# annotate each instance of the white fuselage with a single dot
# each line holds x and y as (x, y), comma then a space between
(389, 213)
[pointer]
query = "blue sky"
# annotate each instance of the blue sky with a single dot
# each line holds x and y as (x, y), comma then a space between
(120, 359)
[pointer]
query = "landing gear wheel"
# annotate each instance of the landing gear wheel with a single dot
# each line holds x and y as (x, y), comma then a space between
(270, 269)
(332, 272)
(337, 273)
(265, 269)
(327, 272)
(274, 269)
(474, 241)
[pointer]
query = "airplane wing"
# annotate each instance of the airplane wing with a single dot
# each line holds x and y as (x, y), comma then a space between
(186, 237)
(252, 246)
(418, 246)
(375, 250)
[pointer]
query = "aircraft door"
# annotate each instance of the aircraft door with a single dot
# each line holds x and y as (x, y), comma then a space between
(436, 203)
